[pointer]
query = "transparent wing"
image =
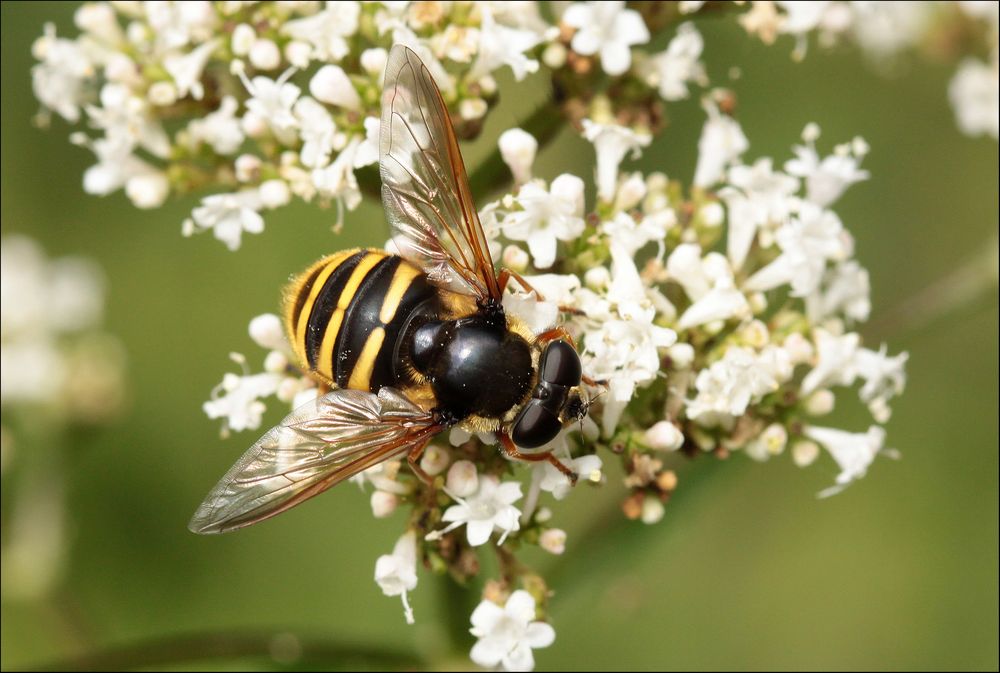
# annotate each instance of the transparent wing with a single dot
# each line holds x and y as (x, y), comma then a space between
(425, 190)
(317, 446)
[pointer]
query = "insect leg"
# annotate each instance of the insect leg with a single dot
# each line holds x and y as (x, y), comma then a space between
(512, 451)
(413, 456)
(555, 334)
(505, 276)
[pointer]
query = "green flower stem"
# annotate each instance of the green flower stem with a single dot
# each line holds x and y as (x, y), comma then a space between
(972, 280)
(458, 601)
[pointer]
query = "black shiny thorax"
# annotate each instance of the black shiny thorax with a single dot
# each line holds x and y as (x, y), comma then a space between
(475, 365)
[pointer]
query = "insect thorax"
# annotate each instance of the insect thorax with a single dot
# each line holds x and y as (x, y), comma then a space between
(476, 366)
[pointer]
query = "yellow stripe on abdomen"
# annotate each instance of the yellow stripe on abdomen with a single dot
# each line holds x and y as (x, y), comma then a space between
(401, 281)
(300, 296)
(324, 364)
(361, 375)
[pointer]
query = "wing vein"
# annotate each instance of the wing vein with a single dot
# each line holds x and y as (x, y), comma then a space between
(425, 187)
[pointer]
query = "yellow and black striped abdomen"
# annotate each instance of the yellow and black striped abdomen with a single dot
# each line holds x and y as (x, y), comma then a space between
(345, 314)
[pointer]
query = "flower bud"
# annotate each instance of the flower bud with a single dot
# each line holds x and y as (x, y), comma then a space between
(332, 85)
(682, 355)
(820, 402)
(880, 411)
(99, 20)
(631, 192)
(298, 54)
(515, 258)
(274, 193)
(247, 167)
(758, 302)
(462, 479)
(799, 348)
(774, 439)
(658, 182)
(383, 504)
(554, 56)
(244, 37)
(265, 55)
(518, 149)
(805, 453)
(275, 362)
(137, 32)
(652, 510)
(597, 278)
(149, 190)
(121, 68)
(666, 481)
(487, 85)
(632, 506)
(254, 125)
(859, 146)
(162, 94)
(267, 332)
(472, 109)
(702, 439)
(553, 541)
(755, 334)
(712, 214)
(713, 327)
(288, 388)
(373, 60)
(434, 460)
(664, 436)
(339, 140)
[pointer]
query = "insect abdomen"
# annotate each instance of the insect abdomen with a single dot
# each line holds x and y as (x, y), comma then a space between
(345, 313)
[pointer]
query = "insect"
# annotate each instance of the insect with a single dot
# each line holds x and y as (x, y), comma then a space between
(409, 345)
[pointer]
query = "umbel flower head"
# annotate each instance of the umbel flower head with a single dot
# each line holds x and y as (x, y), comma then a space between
(719, 307)
(254, 105)
(60, 372)
(671, 296)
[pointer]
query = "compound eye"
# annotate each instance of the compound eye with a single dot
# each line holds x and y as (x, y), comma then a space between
(560, 364)
(535, 426)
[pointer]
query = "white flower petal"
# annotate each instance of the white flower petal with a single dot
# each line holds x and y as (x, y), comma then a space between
(540, 634)
(479, 531)
(485, 617)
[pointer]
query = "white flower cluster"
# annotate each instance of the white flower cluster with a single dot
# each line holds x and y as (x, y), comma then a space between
(718, 313)
(886, 29)
(237, 399)
(58, 371)
(54, 354)
(261, 102)
(745, 342)
(719, 320)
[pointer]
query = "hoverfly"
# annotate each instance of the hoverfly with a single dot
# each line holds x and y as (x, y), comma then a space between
(409, 345)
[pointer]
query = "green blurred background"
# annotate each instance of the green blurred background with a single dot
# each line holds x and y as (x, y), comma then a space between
(747, 570)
